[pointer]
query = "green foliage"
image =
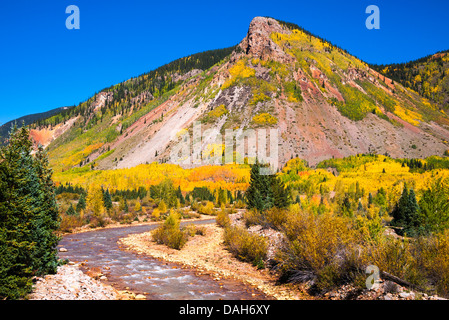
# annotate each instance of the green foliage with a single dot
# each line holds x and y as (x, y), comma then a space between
(432, 213)
(293, 90)
(107, 200)
(81, 203)
(165, 191)
(428, 76)
(28, 216)
(170, 234)
(70, 211)
(202, 193)
(266, 190)
(434, 206)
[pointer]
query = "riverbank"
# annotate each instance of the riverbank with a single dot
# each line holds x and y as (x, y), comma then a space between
(88, 228)
(207, 255)
(70, 283)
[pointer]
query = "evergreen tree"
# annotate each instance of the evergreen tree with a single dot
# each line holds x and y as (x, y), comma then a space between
(28, 216)
(81, 203)
(70, 211)
(266, 191)
(258, 195)
(281, 194)
(370, 200)
(398, 212)
(406, 213)
(107, 200)
(412, 216)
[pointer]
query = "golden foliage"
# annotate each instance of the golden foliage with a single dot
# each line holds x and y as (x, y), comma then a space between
(264, 119)
(239, 71)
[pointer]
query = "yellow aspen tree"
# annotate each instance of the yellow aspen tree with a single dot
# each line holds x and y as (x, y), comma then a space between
(94, 201)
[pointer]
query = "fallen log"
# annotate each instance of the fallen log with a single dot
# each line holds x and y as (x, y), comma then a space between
(402, 282)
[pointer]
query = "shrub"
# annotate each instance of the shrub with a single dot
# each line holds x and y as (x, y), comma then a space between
(170, 234)
(156, 214)
(245, 245)
(273, 218)
(70, 222)
(193, 230)
(207, 208)
(264, 119)
(432, 255)
(318, 247)
(223, 219)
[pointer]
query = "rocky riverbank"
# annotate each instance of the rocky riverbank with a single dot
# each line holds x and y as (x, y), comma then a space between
(70, 283)
(207, 255)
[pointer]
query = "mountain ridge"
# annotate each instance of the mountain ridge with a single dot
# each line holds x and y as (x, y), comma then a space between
(325, 103)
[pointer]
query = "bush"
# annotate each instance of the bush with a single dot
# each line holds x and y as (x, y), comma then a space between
(70, 222)
(245, 245)
(206, 207)
(223, 219)
(273, 218)
(319, 248)
(170, 234)
(193, 230)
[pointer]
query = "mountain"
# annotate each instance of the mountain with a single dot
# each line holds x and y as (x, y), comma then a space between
(429, 76)
(324, 102)
(26, 120)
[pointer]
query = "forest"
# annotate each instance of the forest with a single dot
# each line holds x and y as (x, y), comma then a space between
(428, 76)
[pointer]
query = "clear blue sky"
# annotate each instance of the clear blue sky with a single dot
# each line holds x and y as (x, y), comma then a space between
(43, 65)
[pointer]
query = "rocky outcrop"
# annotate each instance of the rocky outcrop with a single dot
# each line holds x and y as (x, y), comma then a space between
(258, 41)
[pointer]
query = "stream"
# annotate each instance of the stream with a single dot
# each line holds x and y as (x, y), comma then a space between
(141, 274)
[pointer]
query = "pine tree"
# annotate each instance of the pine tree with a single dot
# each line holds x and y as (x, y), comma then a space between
(281, 194)
(107, 200)
(406, 213)
(266, 191)
(370, 200)
(258, 195)
(70, 211)
(398, 212)
(81, 203)
(412, 216)
(28, 216)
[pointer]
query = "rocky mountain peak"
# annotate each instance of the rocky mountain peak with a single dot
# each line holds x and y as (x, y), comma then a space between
(258, 42)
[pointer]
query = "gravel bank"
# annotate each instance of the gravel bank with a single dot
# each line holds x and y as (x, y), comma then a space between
(70, 283)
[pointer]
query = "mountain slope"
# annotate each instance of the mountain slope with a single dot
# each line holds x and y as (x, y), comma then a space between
(26, 120)
(429, 76)
(325, 103)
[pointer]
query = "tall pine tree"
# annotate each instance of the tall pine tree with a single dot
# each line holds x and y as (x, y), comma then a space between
(266, 191)
(28, 216)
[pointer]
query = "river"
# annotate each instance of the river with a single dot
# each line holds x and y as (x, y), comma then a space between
(157, 280)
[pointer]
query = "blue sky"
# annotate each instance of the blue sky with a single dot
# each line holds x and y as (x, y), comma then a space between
(43, 65)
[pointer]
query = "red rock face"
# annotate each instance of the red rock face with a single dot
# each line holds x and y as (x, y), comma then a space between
(259, 44)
